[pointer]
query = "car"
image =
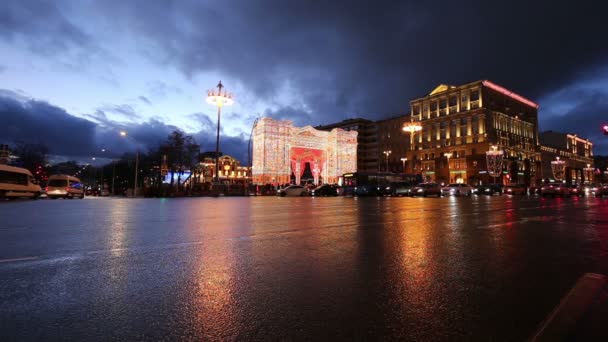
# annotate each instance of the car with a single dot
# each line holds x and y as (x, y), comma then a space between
(554, 190)
(18, 182)
(516, 189)
(64, 186)
(489, 189)
(324, 190)
(591, 188)
(426, 189)
(602, 190)
(293, 190)
(457, 189)
(401, 189)
(576, 190)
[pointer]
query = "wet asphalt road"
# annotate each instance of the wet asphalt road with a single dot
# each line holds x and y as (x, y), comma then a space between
(292, 268)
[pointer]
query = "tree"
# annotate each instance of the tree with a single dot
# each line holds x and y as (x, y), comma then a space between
(182, 153)
(32, 157)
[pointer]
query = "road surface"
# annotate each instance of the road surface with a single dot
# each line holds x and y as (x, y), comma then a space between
(270, 268)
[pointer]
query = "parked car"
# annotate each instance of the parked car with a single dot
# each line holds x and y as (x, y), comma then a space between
(401, 189)
(489, 189)
(325, 190)
(426, 189)
(64, 186)
(602, 190)
(554, 190)
(576, 190)
(293, 190)
(457, 189)
(516, 189)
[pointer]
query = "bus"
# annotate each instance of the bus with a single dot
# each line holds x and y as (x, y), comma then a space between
(375, 183)
(17, 182)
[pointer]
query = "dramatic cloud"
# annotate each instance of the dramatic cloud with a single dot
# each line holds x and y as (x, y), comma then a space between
(315, 62)
(34, 121)
(42, 26)
(145, 100)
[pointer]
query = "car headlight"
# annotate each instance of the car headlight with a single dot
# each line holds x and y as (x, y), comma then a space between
(420, 190)
(487, 190)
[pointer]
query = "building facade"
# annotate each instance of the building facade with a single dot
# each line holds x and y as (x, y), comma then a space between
(367, 141)
(574, 151)
(284, 153)
(460, 123)
(393, 144)
(230, 169)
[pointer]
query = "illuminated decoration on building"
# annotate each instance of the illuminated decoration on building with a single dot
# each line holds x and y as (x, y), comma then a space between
(281, 150)
(509, 93)
(494, 161)
(230, 170)
(558, 167)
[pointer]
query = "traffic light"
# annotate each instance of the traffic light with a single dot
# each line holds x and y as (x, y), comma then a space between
(605, 129)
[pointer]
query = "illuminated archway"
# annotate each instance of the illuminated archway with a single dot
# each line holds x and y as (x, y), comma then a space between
(279, 148)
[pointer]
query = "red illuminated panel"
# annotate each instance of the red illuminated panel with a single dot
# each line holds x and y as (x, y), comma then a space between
(509, 93)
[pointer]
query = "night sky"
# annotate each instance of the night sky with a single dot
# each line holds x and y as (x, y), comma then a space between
(74, 73)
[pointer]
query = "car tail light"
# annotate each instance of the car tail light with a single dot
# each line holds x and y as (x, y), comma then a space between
(46, 189)
(67, 189)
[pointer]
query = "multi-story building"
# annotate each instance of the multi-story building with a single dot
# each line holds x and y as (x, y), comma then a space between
(230, 169)
(393, 144)
(367, 143)
(576, 152)
(460, 123)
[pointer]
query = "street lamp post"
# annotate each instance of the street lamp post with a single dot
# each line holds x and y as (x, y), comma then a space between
(387, 153)
(219, 99)
(448, 155)
(588, 173)
(124, 134)
(411, 128)
(403, 160)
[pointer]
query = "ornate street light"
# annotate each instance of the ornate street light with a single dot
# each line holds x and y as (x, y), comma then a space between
(411, 128)
(387, 153)
(219, 99)
(558, 167)
(494, 160)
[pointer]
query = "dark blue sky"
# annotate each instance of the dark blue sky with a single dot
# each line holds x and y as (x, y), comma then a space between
(73, 73)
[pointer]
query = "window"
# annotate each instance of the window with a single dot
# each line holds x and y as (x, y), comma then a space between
(453, 101)
(433, 106)
(416, 110)
(475, 95)
(13, 178)
(58, 183)
(443, 103)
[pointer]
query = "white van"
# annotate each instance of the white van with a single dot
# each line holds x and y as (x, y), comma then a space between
(17, 182)
(64, 186)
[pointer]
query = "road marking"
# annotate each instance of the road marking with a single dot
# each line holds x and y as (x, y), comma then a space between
(18, 259)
